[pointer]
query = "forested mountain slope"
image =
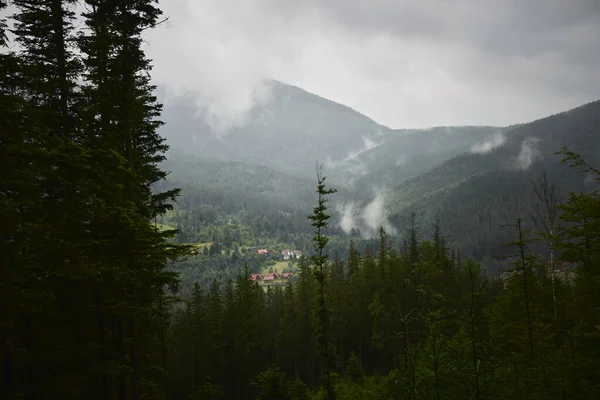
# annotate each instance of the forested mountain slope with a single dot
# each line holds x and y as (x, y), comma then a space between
(258, 191)
(476, 194)
(290, 130)
(524, 146)
(405, 154)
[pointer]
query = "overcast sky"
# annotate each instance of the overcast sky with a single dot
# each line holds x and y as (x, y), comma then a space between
(403, 63)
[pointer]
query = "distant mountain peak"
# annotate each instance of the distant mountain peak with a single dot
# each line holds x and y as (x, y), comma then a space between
(285, 89)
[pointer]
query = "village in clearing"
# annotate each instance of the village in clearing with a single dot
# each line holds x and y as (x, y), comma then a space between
(279, 273)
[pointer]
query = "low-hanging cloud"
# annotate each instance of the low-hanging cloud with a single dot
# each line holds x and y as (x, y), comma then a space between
(347, 222)
(224, 52)
(497, 140)
(366, 220)
(375, 215)
(219, 114)
(351, 162)
(369, 144)
(222, 116)
(528, 154)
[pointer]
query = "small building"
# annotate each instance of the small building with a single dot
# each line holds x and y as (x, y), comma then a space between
(256, 277)
(287, 275)
(271, 277)
(290, 254)
(262, 251)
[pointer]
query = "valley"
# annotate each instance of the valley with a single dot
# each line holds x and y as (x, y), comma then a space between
(261, 174)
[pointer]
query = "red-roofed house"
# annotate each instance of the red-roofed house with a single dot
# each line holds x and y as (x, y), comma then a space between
(269, 278)
(256, 277)
(287, 275)
(262, 251)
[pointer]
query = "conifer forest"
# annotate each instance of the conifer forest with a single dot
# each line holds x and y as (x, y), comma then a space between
(113, 289)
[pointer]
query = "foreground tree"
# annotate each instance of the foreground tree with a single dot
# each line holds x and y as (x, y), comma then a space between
(83, 269)
(120, 117)
(319, 220)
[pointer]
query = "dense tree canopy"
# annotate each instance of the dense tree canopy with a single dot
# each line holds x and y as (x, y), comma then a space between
(416, 322)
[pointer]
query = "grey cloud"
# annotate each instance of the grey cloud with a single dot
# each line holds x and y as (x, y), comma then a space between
(366, 219)
(346, 211)
(374, 216)
(490, 144)
(509, 27)
(529, 153)
(404, 63)
(552, 41)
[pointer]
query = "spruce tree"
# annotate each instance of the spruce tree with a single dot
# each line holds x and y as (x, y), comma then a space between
(44, 29)
(319, 220)
(120, 119)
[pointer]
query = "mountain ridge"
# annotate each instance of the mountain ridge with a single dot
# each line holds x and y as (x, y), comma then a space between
(296, 128)
(474, 195)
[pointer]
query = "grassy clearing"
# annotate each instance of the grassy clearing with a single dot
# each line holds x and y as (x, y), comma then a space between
(279, 266)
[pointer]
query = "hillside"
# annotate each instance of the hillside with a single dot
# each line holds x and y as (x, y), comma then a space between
(244, 185)
(270, 203)
(404, 155)
(476, 194)
(522, 148)
(291, 131)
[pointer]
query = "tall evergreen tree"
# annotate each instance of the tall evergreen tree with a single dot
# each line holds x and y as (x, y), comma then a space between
(319, 220)
(120, 118)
